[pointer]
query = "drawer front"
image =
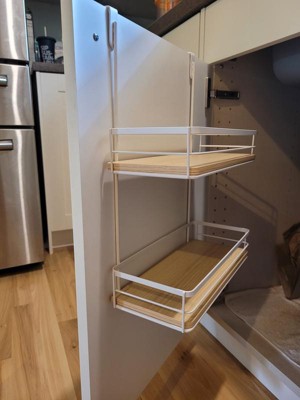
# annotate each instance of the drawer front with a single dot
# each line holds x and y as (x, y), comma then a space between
(13, 40)
(15, 96)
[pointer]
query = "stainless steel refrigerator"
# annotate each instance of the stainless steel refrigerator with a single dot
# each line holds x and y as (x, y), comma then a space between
(21, 238)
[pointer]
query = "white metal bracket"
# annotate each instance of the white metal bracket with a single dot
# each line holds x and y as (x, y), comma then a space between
(111, 28)
(192, 65)
(192, 61)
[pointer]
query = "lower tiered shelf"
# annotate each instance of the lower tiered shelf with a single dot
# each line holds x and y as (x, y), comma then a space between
(180, 288)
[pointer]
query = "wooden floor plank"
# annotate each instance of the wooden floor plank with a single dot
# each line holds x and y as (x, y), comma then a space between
(38, 357)
(200, 368)
(26, 328)
(60, 274)
(6, 304)
(24, 290)
(157, 390)
(52, 357)
(13, 380)
(69, 333)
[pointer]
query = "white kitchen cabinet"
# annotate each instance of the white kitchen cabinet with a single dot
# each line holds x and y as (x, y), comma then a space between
(230, 28)
(186, 36)
(233, 29)
(236, 27)
(55, 154)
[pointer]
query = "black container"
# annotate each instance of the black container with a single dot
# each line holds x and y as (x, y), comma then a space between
(47, 48)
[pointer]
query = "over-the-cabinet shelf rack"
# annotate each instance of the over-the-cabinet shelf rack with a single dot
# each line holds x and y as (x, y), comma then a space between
(180, 281)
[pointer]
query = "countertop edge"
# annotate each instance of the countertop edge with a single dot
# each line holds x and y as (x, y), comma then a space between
(183, 11)
(47, 67)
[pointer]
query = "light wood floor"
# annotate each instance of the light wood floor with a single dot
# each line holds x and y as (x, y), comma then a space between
(38, 332)
(201, 369)
(39, 346)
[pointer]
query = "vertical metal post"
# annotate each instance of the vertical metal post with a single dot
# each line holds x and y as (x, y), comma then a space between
(116, 217)
(253, 138)
(183, 313)
(111, 32)
(114, 288)
(192, 87)
(190, 141)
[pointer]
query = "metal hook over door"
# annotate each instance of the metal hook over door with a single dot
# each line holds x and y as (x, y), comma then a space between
(110, 30)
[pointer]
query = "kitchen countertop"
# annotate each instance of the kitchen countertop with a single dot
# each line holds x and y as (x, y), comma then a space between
(47, 67)
(180, 13)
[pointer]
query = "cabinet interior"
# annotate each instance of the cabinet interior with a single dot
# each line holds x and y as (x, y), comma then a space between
(263, 197)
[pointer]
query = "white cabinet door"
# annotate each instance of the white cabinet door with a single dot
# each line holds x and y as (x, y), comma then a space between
(53, 125)
(119, 353)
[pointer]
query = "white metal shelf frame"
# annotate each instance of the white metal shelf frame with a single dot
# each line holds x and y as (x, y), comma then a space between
(189, 132)
(118, 274)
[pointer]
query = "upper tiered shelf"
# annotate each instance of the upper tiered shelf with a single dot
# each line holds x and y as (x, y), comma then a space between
(179, 152)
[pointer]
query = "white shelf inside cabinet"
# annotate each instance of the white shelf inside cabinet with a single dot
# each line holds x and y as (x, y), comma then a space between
(179, 289)
(176, 163)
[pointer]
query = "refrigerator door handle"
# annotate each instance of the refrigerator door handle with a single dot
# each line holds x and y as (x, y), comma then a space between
(6, 145)
(3, 80)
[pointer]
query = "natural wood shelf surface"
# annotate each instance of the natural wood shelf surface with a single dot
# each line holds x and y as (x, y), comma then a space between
(184, 269)
(177, 164)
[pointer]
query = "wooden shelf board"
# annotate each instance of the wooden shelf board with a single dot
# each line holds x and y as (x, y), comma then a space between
(184, 269)
(177, 164)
